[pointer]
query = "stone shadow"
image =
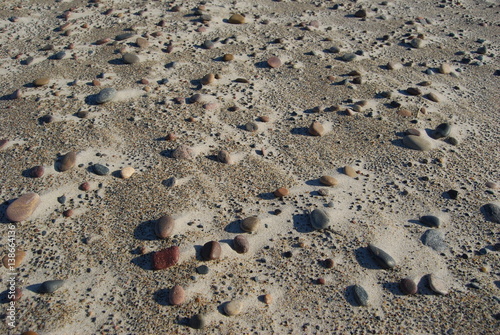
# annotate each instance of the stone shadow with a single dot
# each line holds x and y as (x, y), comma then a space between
(301, 223)
(145, 231)
(366, 259)
(145, 261)
(161, 297)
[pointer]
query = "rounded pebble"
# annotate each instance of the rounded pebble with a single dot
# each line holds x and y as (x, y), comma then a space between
(437, 285)
(492, 212)
(418, 43)
(319, 219)
(176, 295)
(37, 171)
(349, 57)
(22, 208)
(202, 269)
(223, 156)
(433, 97)
(445, 68)
(106, 95)
(130, 58)
(443, 130)
(208, 79)
(268, 299)
(329, 263)
(316, 129)
(233, 308)
(240, 244)
(383, 258)
(211, 251)
(166, 258)
(197, 321)
(281, 192)
(414, 91)
(430, 221)
(183, 152)
(274, 62)
(434, 239)
(227, 57)
(360, 295)
(236, 19)
(100, 169)
(417, 143)
(41, 81)
(251, 127)
(350, 171)
(408, 286)
(164, 226)
(328, 181)
(127, 172)
(250, 224)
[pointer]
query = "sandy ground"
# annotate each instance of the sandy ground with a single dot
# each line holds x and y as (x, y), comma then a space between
(103, 252)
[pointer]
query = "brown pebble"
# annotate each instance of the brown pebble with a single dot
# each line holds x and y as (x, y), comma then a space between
(240, 244)
(68, 213)
(316, 129)
(96, 82)
(103, 41)
(208, 79)
(328, 181)
(408, 286)
(211, 251)
(414, 91)
(29, 332)
(433, 97)
(250, 224)
(237, 19)
(37, 171)
(281, 192)
(492, 185)
(85, 186)
(3, 143)
(274, 62)
(445, 68)
(227, 57)
(176, 295)
(127, 172)
(22, 208)
(166, 258)
(223, 156)
(264, 118)
(350, 171)
(170, 137)
(329, 263)
(164, 226)
(321, 281)
(41, 81)
(404, 112)
(183, 152)
(268, 299)
(68, 161)
(142, 42)
(15, 261)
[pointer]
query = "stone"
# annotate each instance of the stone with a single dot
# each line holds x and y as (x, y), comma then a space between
(29, 332)
(223, 156)
(394, 66)
(360, 295)
(417, 143)
(350, 171)
(240, 244)
(15, 261)
(414, 91)
(22, 208)
(349, 57)
(437, 285)
(434, 239)
(319, 219)
(127, 172)
(68, 213)
(492, 185)
(316, 129)
(227, 57)
(105, 95)
(408, 286)
(61, 199)
(142, 42)
(360, 13)
(41, 81)
(164, 226)
(202, 269)
(328, 263)
(492, 212)
(60, 55)
(170, 182)
(274, 62)
(252, 127)
(130, 58)
(430, 221)
(404, 112)
(328, 180)
(3, 143)
(183, 152)
(323, 192)
(250, 224)
(85, 186)
(211, 251)
(236, 19)
(281, 192)
(100, 169)
(445, 68)
(433, 97)
(207, 44)
(103, 41)
(50, 286)
(124, 36)
(443, 130)
(166, 258)
(176, 295)
(413, 131)
(418, 43)
(233, 307)
(267, 298)
(68, 161)
(37, 171)
(197, 321)
(208, 79)
(383, 258)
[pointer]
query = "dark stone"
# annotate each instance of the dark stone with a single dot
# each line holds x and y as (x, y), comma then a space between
(37, 171)
(197, 321)
(51, 286)
(430, 221)
(360, 295)
(211, 251)
(408, 286)
(453, 194)
(61, 199)
(100, 169)
(105, 95)
(240, 244)
(441, 131)
(124, 36)
(492, 212)
(202, 269)
(414, 91)
(383, 258)
(434, 239)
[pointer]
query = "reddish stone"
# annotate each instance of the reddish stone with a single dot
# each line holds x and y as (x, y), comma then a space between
(166, 258)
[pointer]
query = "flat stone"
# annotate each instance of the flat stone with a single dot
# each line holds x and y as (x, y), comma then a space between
(360, 13)
(227, 57)
(408, 286)
(349, 57)
(197, 321)
(434, 239)
(350, 171)
(383, 258)
(281, 192)
(492, 212)
(22, 208)
(250, 224)
(15, 261)
(166, 258)
(211, 251)
(41, 81)
(360, 295)
(223, 156)
(236, 19)
(183, 152)
(430, 221)
(445, 68)
(170, 182)
(60, 55)
(176, 295)
(51, 286)
(233, 307)
(394, 66)
(105, 95)
(274, 62)
(437, 284)
(202, 269)
(240, 244)
(207, 44)
(417, 143)
(316, 129)
(3, 143)
(433, 97)
(130, 58)
(127, 172)
(319, 219)
(323, 192)
(142, 42)
(414, 91)
(252, 127)
(328, 180)
(164, 226)
(100, 169)
(443, 130)
(413, 131)
(418, 43)
(124, 36)
(37, 171)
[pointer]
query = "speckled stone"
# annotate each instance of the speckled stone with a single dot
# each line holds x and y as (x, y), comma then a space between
(164, 226)
(241, 244)
(223, 156)
(211, 251)
(68, 161)
(250, 224)
(166, 258)
(274, 62)
(233, 307)
(100, 169)
(106, 95)
(22, 208)
(51, 286)
(492, 212)
(176, 295)
(319, 219)
(360, 295)
(383, 258)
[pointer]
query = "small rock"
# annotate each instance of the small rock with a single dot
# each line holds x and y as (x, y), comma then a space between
(240, 244)
(394, 66)
(61, 199)
(164, 226)
(127, 172)
(208, 79)
(445, 68)
(68, 213)
(170, 182)
(41, 81)
(51, 286)
(443, 130)
(434, 239)
(360, 295)
(383, 258)
(233, 308)
(437, 284)
(319, 219)
(15, 261)
(250, 224)
(3, 143)
(433, 97)
(124, 36)
(417, 143)
(227, 57)
(349, 57)
(492, 212)
(360, 13)
(224, 157)
(453, 194)
(268, 299)
(68, 161)
(197, 321)
(328, 181)
(22, 208)
(350, 171)
(414, 91)
(176, 295)
(316, 129)
(252, 127)
(274, 62)
(37, 171)
(85, 186)
(211, 251)
(430, 221)
(166, 258)
(237, 19)
(207, 44)
(329, 263)
(105, 95)
(100, 169)
(60, 55)
(281, 192)
(413, 131)
(404, 112)
(130, 58)
(142, 42)
(202, 269)
(323, 192)
(408, 286)
(418, 43)
(183, 152)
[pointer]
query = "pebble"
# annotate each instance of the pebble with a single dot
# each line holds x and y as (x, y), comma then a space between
(103, 41)
(329, 263)
(170, 182)
(251, 127)
(264, 118)
(130, 58)
(453, 194)
(124, 36)
(394, 66)
(240, 244)
(349, 57)
(61, 199)
(383, 258)
(224, 157)
(41, 81)
(316, 129)
(250, 224)
(360, 295)
(408, 286)
(211, 251)
(50, 286)
(404, 112)
(227, 57)
(274, 62)
(127, 172)
(164, 226)
(417, 143)
(281, 192)
(360, 13)
(176, 295)
(412, 131)
(37, 171)
(492, 212)
(430, 221)
(418, 43)
(319, 219)
(323, 192)
(437, 284)
(197, 321)
(22, 208)
(434, 239)
(207, 44)
(19, 255)
(328, 181)
(68, 213)
(443, 130)
(100, 169)
(85, 186)
(233, 308)
(142, 42)
(445, 68)
(106, 95)
(414, 91)
(433, 97)
(350, 171)
(268, 299)
(183, 152)
(237, 19)
(208, 79)
(166, 258)
(202, 269)
(60, 55)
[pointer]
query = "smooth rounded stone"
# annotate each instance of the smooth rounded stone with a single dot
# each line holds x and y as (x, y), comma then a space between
(130, 58)
(233, 307)
(202, 269)
(335, 49)
(18, 258)
(236, 19)
(127, 172)
(22, 208)
(417, 143)
(394, 66)
(166, 258)
(329, 263)
(50, 286)
(250, 224)
(164, 226)
(360, 295)
(60, 55)
(267, 298)
(274, 62)
(443, 130)
(492, 185)
(281, 192)
(437, 284)
(207, 44)
(176, 295)
(316, 129)
(100, 169)
(434, 239)
(61, 199)
(430, 221)
(492, 212)
(223, 156)
(383, 258)
(106, 95)
(142, 42)
(323, 192)
(418, 43)
(350, 171)
(240, 244)
(445, 68)
(197, 321)
(412, 131)
(183, 152)
(211, 251)
(360, 13)
(124, 36)
(408, 286)
(37, 171)
(452, 140)
(41, 81)
(319, 219)
(228, 57)
(349, 57)
(328, 180)
(208, 79)
(433, 97)
(252, 127)
(414, 91)
(170, 182)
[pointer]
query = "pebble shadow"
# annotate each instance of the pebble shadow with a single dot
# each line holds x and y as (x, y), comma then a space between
(365, 259)
(302, 224)
(161, 297)
(197, 252)
(423, 286)
(35, 288)
(313, 182)
(91, 100)
(3, 210)
(117, 61)
(4, 297)
(261, 65)
(304, 131)
(399, 143)
(267, 196)
(349, 296)
(144, 261)
(393, 288)
(417, 222)
(27, 173)
(145, 231)
(234, 227)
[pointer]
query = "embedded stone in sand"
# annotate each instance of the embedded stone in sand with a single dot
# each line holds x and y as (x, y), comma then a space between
(237, 19)
(23, 207)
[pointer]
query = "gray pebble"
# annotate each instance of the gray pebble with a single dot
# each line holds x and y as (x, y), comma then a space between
(208, 44)
(202, 269)
(441, 131)
(319, 219)
(434, 239)
(197, 321)
(61, 199)
(437, 284)
(418, 43)
(164, 226)
(360, 295)
(349, 57)
(60, 55)
(323, 191)
(240, 244)
(251, 127)
(130, 58)
(106, 95)
(430, 221)
(170, 182)
(417, 143)
(124, 36)
(51, 286)
(100, 169)
(408, 286)
(492, 212)
(383, 258)
(250, 224)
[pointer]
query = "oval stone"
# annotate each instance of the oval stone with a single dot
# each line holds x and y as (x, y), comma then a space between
(360, 295)
(435, 239)
(50, 286)
(383, 258)
(130, 58)
(233, 307)
(417, 143)
(183, 152)
(443, 130)
(430, 221)
(211, 251)
(100, 169)
(237, 19)
(433, 97)
(197, 321)
(414, 91)
(445, 68)
(492, 212)
(208, 79)
(281, 192)
(349, 57)
(316, 129)
(250, 224)
(350, 171)
(127, 172)
(166, 258)
(176, 295)
(106, 95)
(37, 171)
(164, 226)
(23, 207)
(41, 81)
(328, 181)
(16, 261)
(408, 286)
(274, 62)
(437, 284)
(224, 157)
(319, 219)
(142, 42)
(240, 244)
(68, 161)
